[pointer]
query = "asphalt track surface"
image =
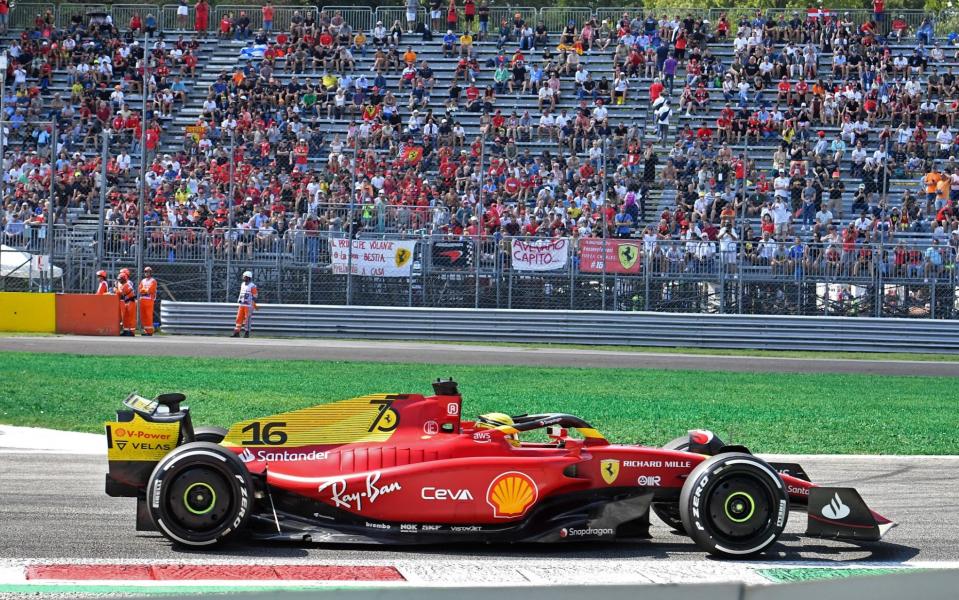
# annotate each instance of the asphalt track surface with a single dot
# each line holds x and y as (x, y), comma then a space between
(459, 354)
(53, 506)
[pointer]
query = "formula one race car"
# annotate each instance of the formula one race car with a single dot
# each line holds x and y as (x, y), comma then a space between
(405, 469)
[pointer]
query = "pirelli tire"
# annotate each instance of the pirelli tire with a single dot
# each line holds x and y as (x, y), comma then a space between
(734, 505)
(668, 512)
(209, 433)
(200, 494)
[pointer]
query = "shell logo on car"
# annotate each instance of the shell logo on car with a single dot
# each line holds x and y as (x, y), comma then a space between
(511, 494)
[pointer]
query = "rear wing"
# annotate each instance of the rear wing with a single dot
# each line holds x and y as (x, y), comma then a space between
(142, 434)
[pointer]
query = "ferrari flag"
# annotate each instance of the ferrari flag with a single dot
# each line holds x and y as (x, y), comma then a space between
(374, 258)
(622, 257)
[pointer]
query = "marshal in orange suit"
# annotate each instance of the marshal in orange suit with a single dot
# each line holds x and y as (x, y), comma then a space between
(128, 304)
(148, 295)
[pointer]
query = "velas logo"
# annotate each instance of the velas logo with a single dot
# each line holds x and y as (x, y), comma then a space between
(609, 468)
(835, 510)
(511, 494)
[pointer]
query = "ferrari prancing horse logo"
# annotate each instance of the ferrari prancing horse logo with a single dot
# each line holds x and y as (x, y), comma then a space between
(402, 256)
(628, 254)
(609, 468)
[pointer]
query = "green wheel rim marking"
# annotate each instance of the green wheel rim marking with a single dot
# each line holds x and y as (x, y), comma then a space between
(186, 501)
(752, 507)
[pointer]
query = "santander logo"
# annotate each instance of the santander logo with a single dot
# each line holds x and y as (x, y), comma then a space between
(835, 510)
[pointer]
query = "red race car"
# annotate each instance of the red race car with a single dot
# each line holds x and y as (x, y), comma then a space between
(406, 469)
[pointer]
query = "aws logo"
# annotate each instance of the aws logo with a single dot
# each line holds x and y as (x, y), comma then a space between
(511, 494)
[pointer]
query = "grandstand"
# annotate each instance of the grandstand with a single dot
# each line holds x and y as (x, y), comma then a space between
(346, 118)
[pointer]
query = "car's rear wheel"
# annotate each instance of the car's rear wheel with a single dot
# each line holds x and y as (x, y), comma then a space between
(734, 505)
(200, 494)
(209, 433)
(668, 512)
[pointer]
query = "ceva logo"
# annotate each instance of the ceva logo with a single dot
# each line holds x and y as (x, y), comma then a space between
(835, 510)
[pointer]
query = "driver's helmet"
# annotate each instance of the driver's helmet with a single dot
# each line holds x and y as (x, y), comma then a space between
(494, 420)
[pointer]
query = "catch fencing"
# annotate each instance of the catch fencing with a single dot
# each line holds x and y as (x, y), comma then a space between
(423, 267)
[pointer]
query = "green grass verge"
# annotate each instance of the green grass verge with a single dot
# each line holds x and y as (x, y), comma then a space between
(730, 351)
(800, 574)
(781, 412)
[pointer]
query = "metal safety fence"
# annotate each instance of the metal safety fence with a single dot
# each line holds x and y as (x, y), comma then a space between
(582, 327)
(555, 19)
(882, 278)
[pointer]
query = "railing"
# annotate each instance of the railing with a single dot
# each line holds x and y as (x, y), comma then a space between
(389, 14)
(22, 15)
(362, 17)
(66, 12)
(498, 13)
(122, 13)
(556, 19)
(587, 327)
(234, 10)
(170, 21)
(861, 278)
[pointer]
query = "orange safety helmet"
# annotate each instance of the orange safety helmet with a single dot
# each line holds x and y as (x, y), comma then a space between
(102, 274)
(124, 271)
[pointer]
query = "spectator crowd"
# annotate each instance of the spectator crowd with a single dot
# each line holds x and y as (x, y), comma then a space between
(516, 131)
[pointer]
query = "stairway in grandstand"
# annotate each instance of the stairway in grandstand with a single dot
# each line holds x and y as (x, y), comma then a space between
(218, 56)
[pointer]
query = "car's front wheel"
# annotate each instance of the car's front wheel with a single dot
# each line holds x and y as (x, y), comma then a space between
(734, 505)
(200, 494)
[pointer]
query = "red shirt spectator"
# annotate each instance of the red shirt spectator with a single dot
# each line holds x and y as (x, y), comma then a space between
(201, 18)
(656, 90)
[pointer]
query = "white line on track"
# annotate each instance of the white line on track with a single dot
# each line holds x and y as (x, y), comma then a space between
(464, 572)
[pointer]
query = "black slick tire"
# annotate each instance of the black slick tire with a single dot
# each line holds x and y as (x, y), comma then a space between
(734, 505)
(200, 494)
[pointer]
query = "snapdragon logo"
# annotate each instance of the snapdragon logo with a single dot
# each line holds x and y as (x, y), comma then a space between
(588, 531)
